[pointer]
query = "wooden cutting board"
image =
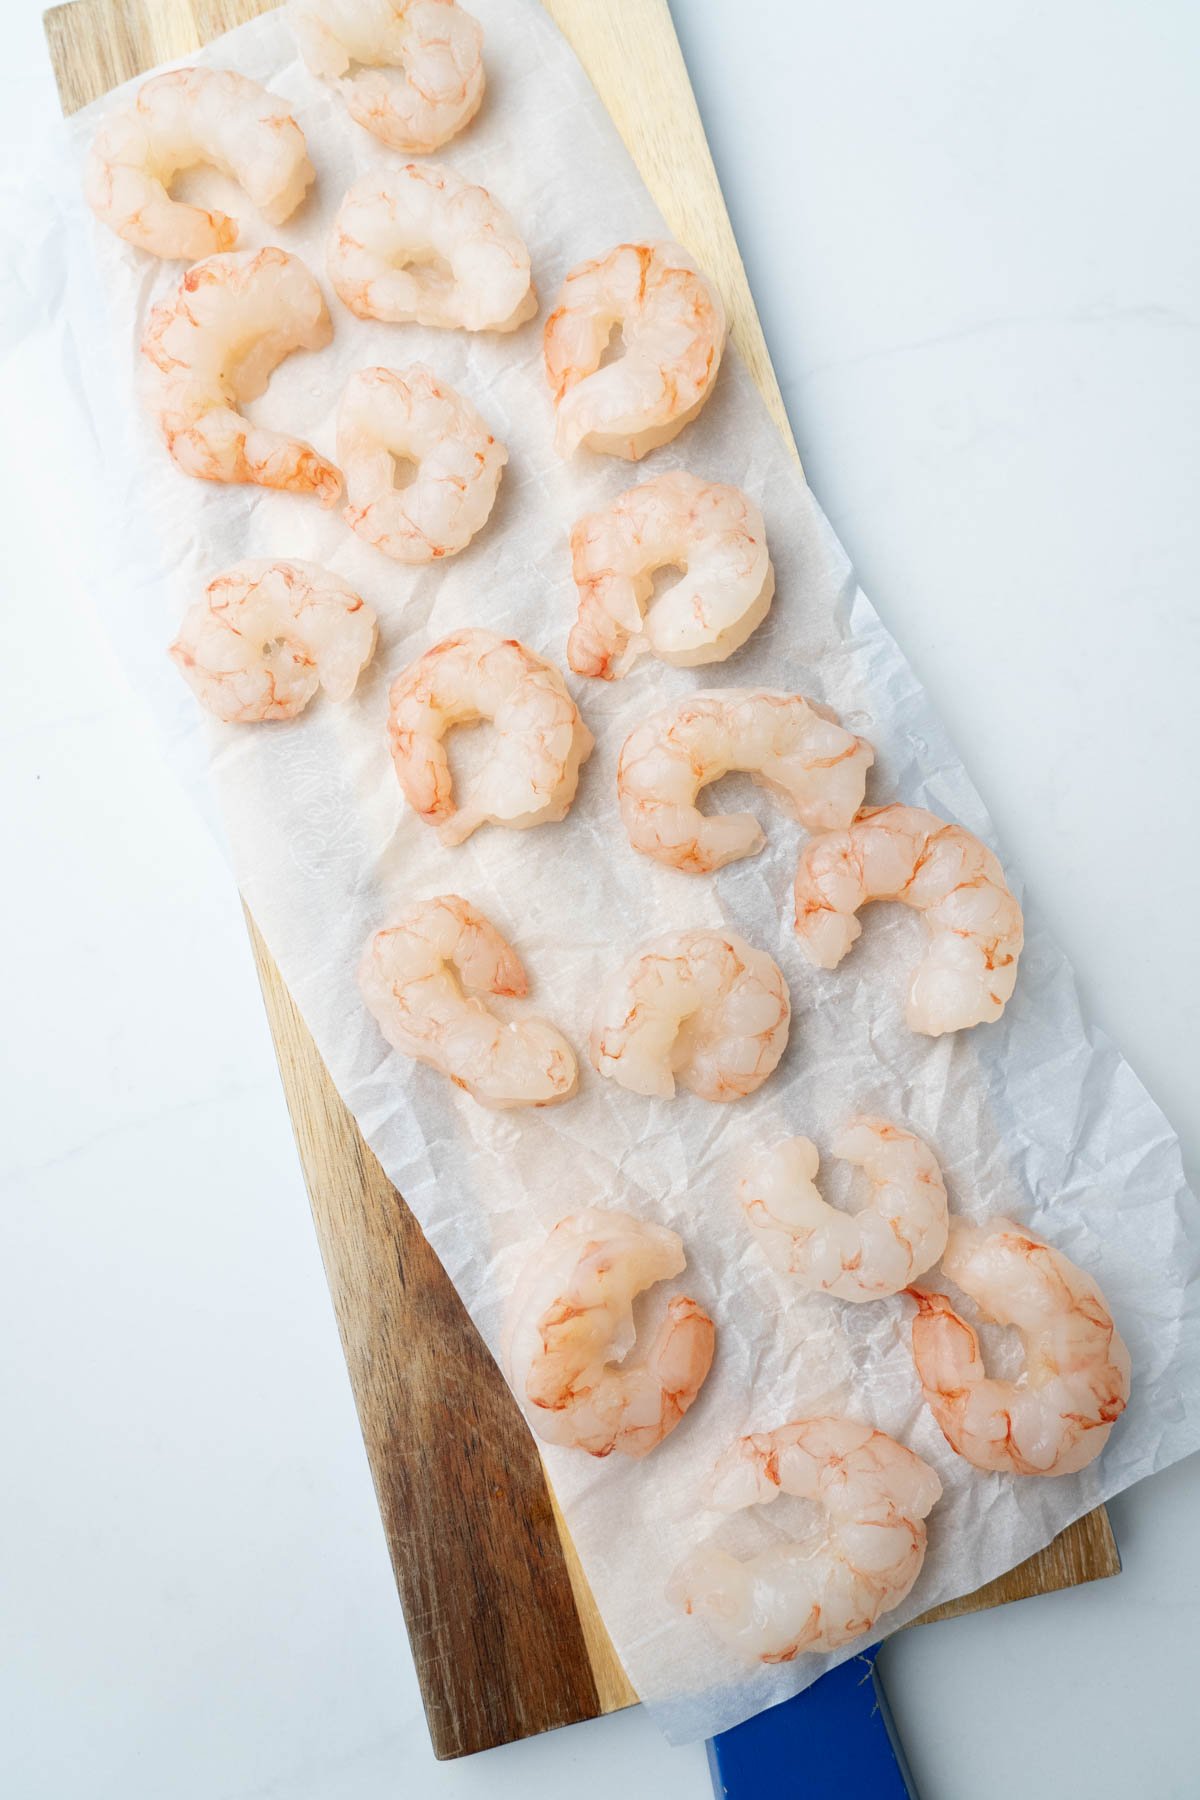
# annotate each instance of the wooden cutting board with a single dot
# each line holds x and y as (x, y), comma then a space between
(505, 1634)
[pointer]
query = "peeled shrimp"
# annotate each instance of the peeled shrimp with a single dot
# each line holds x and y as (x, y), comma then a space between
(701, 1007)
(540, 743)
(267, 634)
(973, 922)
(571, 1329)
(213, 347)
(412, 977)
(408, 413)
(178, 120)
(713, 534)
(1053, 1420)
(796, 748)
(420, 243)
(410, 71)
(808, 1596)
(899, 1234)
(672, 325)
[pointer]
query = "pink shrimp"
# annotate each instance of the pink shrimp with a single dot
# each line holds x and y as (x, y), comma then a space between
(1057, 1417)
(972, 919)
(571, 1325)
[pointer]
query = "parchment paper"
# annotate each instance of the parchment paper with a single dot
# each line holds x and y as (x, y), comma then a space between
(1036, 1116)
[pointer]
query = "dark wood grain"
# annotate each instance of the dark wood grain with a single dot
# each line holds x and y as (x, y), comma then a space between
(491, 1612)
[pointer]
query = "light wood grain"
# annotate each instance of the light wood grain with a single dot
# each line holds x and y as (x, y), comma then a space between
(630, 50)
(94, 47)
(1085, 1551)
(506, 1635)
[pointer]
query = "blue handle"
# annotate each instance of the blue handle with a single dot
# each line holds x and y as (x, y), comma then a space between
(835, 1741)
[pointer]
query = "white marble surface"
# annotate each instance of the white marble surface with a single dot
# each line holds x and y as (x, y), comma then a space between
(971, 235)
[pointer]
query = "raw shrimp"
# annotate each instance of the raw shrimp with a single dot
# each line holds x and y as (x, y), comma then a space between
(899, 1234)
(714, 536)
(701, 1007)
(412, 977)
(571, 1327)
(807, 1596)
(540, 743)
(420, 243)
(974, 924)
(672, 326)
(181, 119)
(796, 748)
(1053, 1420)
(408, 414)
(267, 634)
(410, 71)
(213, 347)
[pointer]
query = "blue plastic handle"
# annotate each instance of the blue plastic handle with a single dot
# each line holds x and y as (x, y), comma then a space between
(835, 1741)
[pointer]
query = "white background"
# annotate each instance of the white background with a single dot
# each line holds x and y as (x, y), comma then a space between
(971, 233)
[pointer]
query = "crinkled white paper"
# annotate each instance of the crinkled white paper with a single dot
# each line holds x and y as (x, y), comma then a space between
(1036, 1116)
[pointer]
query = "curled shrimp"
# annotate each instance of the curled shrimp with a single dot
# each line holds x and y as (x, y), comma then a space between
(267, 634)
(791, 745)
(672, 325)
(540, 744)
(420, 243)
(712, 534)
(212, 347)
(181, 119)
(899, 1234)
(1056, 1418)
(409, 414)
(410, 71)
(809, 1596)
(974, 924)
(413, 976)
(701, 1007)
(570, 1330)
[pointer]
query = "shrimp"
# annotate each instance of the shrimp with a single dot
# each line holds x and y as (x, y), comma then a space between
(541, 741)
(212, 348)
(672, 327)
(808, 1596)
(410, 71)
(178, 120)
(793, 746)
(713, 535)
(570, 1329)
(408, 414)
(420, 243)
(900, 1233)
(412, 977)
(701, 1007)
(973, 922)
(1056, 1418)
(267, 634)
